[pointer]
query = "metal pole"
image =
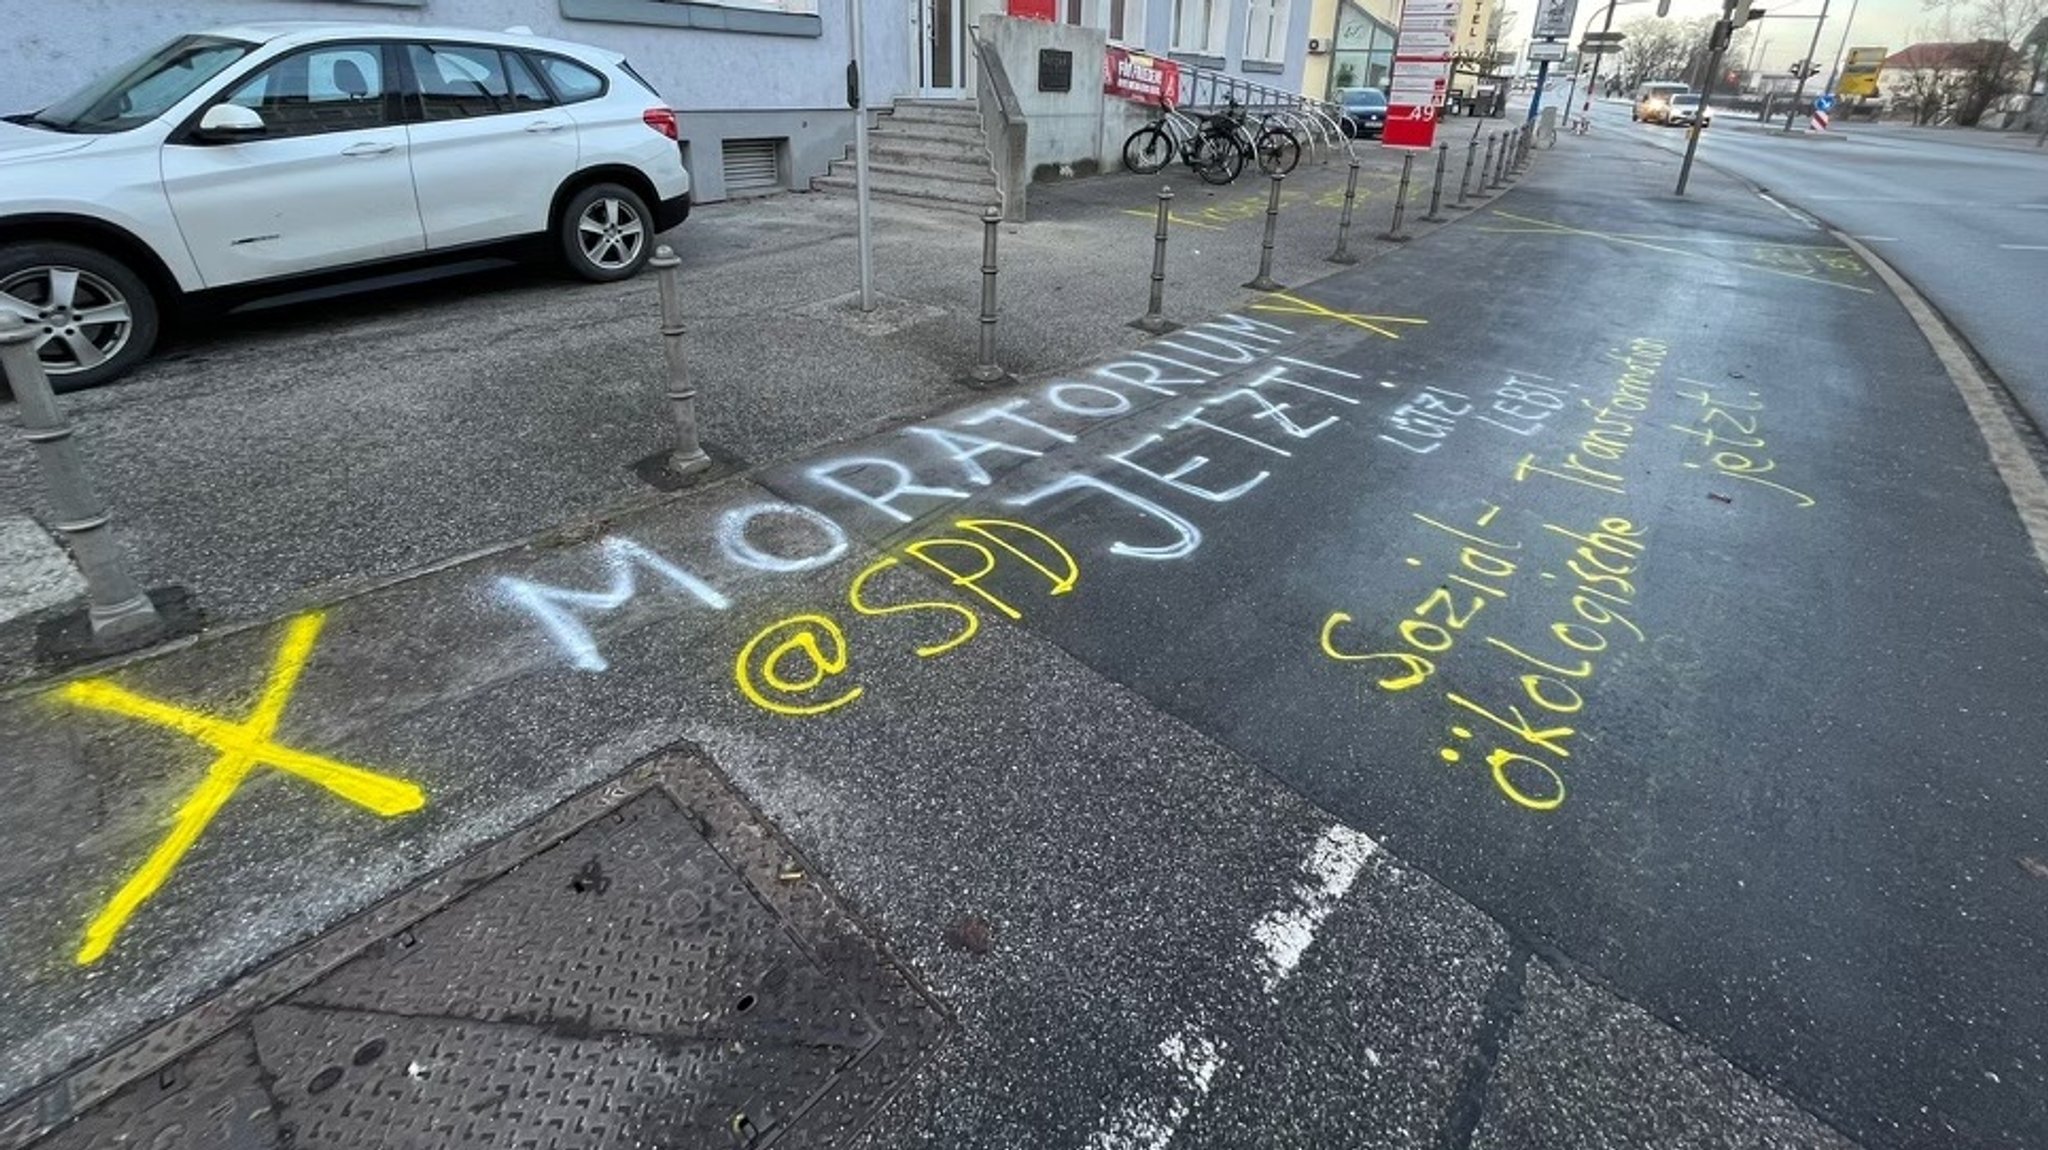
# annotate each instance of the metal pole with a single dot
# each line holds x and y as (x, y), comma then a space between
(1798, 89)
(1724, 31)
(1154, 320)
(688, 458)
(1592, 81)
(985, 369)
(1394, 232)
(1465, 181)
(1536, 97)
(1343, 253)
(1485, 166)
(1835, 69)
(116, 604)
(863, 223)
(1500, 165)
(1264, 280)
(1436, 187)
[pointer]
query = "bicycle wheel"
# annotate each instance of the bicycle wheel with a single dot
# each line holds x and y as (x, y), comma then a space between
(1148, 150)
(1279, 151)
(1219, 161)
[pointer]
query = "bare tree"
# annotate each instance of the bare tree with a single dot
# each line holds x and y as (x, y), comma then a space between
(1656, 48)
(1985, 71)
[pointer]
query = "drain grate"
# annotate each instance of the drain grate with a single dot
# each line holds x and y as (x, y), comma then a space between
(639, 979)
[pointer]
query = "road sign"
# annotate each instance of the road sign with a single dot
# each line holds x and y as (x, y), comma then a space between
(1598, 49)
(1603, 37)
(1421, 76)
(1862, 71)
(1547, 50)
(1554, 19)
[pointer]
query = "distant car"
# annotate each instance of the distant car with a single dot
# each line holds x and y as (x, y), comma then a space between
(1653, 101)
(1364, 112)
(264, 158)
(1687, 108)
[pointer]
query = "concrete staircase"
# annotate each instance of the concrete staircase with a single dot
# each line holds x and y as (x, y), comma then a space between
(929, 153)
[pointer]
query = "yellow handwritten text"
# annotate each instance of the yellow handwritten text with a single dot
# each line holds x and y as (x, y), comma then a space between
(1733, 423)
(820, 649)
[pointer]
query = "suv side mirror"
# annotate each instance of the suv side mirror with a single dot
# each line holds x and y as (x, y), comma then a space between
(229, 124)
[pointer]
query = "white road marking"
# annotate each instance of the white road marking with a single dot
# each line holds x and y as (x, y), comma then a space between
(1879, 239)
(34, 572)
(1789, 210)
(2023, 481)
(1193, 1060)
(1280, 938)
(1285, 933)
(2023, 247)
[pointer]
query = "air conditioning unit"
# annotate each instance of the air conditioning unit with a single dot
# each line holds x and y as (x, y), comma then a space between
(1317, 47)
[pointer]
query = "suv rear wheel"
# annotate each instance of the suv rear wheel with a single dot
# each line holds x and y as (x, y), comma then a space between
(606, 233)
(93, 318)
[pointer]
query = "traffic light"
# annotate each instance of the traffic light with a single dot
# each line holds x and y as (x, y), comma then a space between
(1805, 70)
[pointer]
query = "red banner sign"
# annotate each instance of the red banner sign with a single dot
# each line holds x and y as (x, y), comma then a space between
(1147, 79)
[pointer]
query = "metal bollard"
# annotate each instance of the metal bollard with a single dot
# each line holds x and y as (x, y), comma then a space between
(1436, 187)
(1485, 167)
(1154, 319)
(688, 458)
(1343, 253)
(1465, 181)
(1264, 280)
(1500, 166)
(116, 604)
(1394, 231)
(985, 369)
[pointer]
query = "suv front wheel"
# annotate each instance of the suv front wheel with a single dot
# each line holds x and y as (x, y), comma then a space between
(606, 233)
(93, 318)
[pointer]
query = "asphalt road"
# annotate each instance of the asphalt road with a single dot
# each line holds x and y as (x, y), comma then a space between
(1963, 217)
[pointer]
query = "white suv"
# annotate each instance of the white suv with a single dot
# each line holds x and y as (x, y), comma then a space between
(266, 158)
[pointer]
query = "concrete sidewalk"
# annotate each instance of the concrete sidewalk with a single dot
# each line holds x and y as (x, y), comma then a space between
(296, 455)
(1003, 901)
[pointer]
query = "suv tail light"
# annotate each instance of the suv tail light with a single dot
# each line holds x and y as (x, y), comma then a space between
(662, 120)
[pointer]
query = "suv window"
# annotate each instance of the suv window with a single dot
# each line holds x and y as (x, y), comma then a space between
(570, 80)
(331, 88)
(457, 81)
(145, 89)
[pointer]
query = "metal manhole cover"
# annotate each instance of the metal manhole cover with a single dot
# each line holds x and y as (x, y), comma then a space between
(639, 979)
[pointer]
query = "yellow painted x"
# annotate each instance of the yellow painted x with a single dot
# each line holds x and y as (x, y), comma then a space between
(1298, 306)
(243, 747)
(1551, 227)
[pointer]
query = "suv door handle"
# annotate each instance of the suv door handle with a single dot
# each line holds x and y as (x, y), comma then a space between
(546, 126)
(368, 148)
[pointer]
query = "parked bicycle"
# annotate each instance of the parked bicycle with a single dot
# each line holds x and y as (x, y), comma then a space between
(1208, 143)
(1216, 145)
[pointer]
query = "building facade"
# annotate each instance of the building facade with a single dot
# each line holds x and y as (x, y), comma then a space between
(759, 86)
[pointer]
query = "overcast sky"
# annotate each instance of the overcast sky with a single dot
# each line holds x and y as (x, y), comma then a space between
(1888, 24)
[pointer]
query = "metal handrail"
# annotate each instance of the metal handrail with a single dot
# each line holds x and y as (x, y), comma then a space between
(992, 86)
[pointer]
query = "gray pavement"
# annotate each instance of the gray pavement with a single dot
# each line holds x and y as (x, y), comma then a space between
(1050, 704)
(291, 456)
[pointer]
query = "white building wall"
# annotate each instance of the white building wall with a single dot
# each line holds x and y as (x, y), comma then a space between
(724, 84)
